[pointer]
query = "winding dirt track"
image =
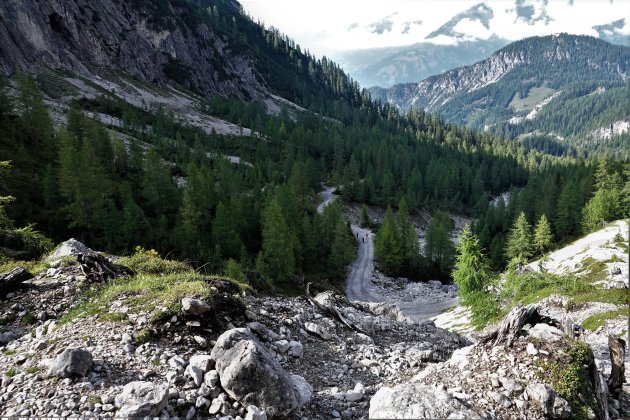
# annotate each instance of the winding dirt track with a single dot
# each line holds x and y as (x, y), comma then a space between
(358, 284)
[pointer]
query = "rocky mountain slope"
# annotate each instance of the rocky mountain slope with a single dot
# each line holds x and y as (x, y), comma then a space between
(233, 354)
(519, 83)
(388, 66)
(66, 351)
(143, 38)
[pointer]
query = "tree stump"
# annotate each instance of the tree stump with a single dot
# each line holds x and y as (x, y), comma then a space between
(98, 269)
(617, 348)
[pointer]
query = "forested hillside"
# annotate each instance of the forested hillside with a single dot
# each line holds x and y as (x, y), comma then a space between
(562, 87)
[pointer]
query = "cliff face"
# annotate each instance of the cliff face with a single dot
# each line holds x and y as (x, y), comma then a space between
(84, 36)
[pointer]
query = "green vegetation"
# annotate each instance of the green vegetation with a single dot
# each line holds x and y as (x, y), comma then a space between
(32, 369)
(149, 262)
(11, 372)
(143, 336)
(34, 267)
(593, 322)
(475, 280)
(534, 96)
(568, 375)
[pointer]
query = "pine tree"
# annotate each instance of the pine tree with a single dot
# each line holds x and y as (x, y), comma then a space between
(542, 235)
(409, 240)
(438, 250)
(519, 243)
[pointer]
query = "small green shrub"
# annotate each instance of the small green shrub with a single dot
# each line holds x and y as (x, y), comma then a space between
(143, 336)
(568, 376)
(29, 319)
(33, 369)
(11, 372)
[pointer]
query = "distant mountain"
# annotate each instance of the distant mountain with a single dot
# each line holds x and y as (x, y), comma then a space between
(565, 85)
(388, 66)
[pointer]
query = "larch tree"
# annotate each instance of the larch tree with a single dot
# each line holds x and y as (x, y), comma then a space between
(519, 241)
(543, 237)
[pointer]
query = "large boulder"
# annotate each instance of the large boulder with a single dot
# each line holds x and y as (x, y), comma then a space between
(417, 401)
(69, 248)
(141, 399)
(249, 373)
(72, 362)
(546, 333)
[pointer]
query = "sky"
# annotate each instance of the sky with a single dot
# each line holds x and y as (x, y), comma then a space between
(328, 26)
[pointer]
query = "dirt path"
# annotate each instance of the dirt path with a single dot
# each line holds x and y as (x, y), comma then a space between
(359, 285)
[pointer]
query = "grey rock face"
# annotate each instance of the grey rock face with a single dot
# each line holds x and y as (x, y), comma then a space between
(72, 363)
(417, 401)
(141, 399)
(81, 36)
(195, 306)
(250, 374)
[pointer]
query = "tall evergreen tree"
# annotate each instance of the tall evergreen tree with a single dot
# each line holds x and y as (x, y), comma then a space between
(388, 246)
(276, 259)
(472, 273)
(543, 237)
(519, 242)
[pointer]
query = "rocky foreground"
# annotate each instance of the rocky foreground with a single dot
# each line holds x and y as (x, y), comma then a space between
(236, 355)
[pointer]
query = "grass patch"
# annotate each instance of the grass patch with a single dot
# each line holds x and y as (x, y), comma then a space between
(113, 317)
(149, 262)
(143, 336)
(11, 372)
(534, 96)
(34, 267)
(593, 322)
(28, 319)
(144, 291)
(9, 352)
(32, 369)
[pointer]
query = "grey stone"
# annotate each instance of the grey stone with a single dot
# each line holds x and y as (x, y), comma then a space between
(141, 399)
(546, 332)
(6, 338)
(416, 401)
(211, 379)
(255, 413)
(296, 349)
(202, 361)
(72, 362)
(282, 346)
(250, 374)
(318, 330)
(194, 306)
(531, 349)
(195, 373)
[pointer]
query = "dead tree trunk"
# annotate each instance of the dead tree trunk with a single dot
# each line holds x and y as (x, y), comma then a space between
(98, 269)
(617, 348)
(327, 307)
(600, 388)
(13, 279)
(512, 324)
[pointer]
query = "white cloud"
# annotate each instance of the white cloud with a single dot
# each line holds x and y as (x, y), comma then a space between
(322, 25)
